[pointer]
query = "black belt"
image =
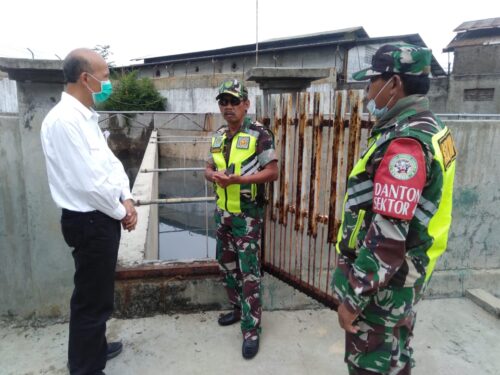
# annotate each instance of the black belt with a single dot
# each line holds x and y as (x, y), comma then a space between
(69, 213)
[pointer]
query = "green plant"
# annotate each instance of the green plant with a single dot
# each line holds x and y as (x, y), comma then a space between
(133, 94)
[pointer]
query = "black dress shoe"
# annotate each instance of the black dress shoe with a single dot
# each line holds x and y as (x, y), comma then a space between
(230, 318)
(114, 348)
(250, 348)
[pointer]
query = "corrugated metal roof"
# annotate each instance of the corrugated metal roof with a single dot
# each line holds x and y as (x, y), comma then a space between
(478, 37)
(335, 36)
(479, 24)
(473, 42)
(356, 29)
(297, 42)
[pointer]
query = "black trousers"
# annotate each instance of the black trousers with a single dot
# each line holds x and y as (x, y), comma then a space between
(95, 238)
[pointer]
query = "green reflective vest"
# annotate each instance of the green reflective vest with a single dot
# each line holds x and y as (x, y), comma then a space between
(242, 153)
(431, 223)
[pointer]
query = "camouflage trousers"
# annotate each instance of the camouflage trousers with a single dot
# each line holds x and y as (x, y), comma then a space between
(378, 349)
(237, 252)
(382, 344)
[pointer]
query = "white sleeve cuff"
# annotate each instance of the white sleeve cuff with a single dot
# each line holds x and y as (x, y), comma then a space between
(119, 212)
(125, 194)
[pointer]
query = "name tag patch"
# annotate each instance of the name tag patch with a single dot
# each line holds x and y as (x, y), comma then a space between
(243, 143)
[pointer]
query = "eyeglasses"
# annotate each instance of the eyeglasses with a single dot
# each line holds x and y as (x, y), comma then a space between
(234, 101)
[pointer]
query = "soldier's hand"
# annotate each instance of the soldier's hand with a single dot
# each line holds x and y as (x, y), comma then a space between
(224, 180)
(346, 319)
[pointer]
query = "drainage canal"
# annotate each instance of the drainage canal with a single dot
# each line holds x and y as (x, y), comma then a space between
(186, 230)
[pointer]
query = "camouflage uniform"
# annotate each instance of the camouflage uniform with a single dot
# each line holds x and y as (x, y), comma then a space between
(238, 233)
(385, 258)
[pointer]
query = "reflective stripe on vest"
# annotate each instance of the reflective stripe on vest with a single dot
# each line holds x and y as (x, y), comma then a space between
(243, 147)
(439, 225)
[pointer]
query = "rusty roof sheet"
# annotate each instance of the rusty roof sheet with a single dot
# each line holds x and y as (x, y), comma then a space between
(479, 24)
(473, 42)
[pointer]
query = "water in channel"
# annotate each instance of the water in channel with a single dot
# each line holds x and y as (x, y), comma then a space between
(186, 230)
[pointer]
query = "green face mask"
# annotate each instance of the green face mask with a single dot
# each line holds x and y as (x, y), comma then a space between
(105, 93)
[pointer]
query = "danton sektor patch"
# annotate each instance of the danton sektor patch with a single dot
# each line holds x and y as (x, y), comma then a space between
(403, 166)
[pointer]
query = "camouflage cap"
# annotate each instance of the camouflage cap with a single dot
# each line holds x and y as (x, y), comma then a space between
(398, 58)
(233, 87)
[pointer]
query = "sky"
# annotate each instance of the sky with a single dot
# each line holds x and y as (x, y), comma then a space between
(147, 28)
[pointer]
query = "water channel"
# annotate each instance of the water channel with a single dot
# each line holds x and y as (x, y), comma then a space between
(186, 230)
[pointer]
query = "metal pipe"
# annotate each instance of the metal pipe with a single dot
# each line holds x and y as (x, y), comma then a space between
(181, 142)
(146, 170)
(206, 216)
(175, 200)
(182, 136)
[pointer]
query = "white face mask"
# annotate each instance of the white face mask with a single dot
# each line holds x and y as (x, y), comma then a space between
(371, 106)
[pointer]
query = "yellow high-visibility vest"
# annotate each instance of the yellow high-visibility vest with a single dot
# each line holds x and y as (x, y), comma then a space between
(243, 148)
(439, 225)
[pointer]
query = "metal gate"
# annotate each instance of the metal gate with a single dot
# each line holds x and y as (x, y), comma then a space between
(317, 143)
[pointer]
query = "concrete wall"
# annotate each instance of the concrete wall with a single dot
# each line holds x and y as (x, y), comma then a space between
(197, 93)
(148, 296)
(472, 259)
(457, 101)
(8, 95)
(475, 67)
(36, 268)
(438, 94)
(478, 59)
(16, 279)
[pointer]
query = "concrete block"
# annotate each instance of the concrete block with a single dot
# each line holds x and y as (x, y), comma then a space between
(486, 300)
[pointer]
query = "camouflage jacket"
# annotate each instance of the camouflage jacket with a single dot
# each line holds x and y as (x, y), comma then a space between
(379, 250)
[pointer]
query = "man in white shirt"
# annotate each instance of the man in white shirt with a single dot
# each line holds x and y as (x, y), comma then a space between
(90, 185)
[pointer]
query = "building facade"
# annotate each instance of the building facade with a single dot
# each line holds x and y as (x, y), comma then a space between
(189, 80)
(474, 85)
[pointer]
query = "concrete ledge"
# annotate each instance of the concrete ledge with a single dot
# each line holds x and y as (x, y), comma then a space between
(170, 269)
(33, 70)
(137, 245)
(454, 283)
(277, 80)
(486, 300)
(167, 293)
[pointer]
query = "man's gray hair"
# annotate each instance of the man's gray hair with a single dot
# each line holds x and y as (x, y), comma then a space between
(73, 66)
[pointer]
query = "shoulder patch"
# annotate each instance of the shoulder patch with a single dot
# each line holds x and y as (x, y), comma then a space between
(399, 179)
(448, 150)
(403, 166)
(217, 142)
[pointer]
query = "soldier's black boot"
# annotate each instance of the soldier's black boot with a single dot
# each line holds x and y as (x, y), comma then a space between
(250, 347)
(230, 318)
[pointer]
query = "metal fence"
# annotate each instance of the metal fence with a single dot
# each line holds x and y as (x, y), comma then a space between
(316, 152)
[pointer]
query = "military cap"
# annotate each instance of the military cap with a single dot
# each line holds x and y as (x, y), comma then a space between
(398, 58)
(233, 87)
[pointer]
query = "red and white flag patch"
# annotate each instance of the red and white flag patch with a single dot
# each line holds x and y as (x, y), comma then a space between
(400, 179)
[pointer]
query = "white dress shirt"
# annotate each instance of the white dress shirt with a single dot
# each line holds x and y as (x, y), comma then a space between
(84, 174)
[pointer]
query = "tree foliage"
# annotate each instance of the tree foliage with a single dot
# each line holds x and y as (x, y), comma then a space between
(105, 51)
(133, 94)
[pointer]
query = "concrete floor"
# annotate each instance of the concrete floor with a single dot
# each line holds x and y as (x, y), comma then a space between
(453, 336)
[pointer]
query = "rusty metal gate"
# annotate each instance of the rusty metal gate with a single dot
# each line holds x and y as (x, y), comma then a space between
(318, 138)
